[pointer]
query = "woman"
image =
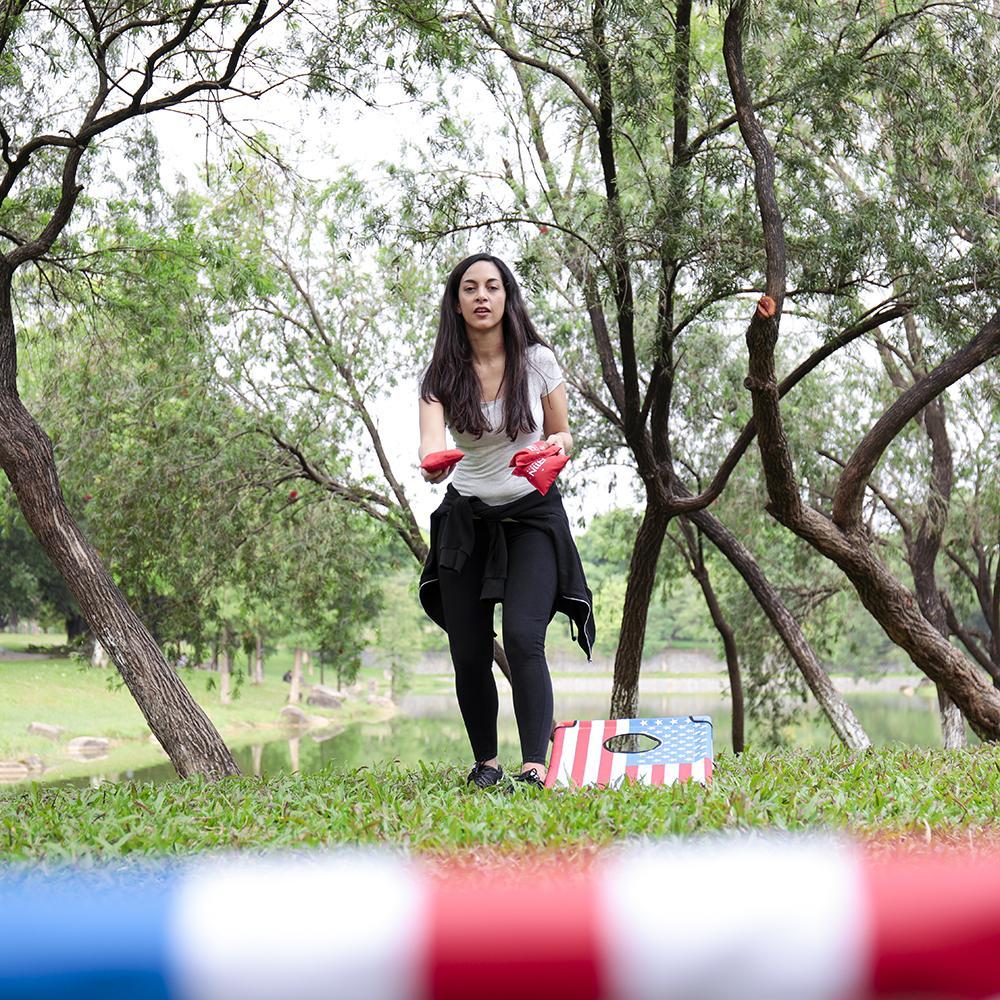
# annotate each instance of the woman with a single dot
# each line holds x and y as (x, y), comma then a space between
(498, 387)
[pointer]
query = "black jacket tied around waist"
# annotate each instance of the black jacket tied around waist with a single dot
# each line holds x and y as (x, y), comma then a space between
(453, 537)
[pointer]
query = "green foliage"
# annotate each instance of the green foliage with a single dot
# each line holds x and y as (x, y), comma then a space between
(166, 470)
(30, 588)
(430, 810)
(885, 189)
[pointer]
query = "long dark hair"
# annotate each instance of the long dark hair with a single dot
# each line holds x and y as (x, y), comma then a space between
(450, 377)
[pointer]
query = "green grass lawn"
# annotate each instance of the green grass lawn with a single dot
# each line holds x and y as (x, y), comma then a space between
(20, 641)
(85, 701)
(428, 810)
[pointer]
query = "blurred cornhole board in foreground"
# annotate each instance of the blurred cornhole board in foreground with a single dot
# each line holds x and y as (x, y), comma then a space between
(609, 753)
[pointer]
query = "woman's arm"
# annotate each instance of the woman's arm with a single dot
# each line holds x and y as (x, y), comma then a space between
(432, 437)
(555, 426)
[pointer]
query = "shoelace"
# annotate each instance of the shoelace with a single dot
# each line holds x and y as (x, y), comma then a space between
(531, 777)
(483, 775)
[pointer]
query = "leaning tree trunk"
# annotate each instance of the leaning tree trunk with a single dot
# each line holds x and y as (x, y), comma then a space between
(894, 608)
(925, 548)
(175, 718)
(294, 693)
(842, 537)
(638, 591)
(924, 543)
(699, 570)
(732, 664)
(845, 723)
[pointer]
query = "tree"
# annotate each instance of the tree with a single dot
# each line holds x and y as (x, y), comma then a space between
(310, 279)
(647, 246)
(32, 587)
(840, 534)
(124, 64)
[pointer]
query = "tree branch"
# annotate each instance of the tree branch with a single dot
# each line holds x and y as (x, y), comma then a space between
(847, 500)
(883, 314)
(546, 67)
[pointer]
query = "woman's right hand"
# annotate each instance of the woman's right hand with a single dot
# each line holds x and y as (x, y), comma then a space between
(439, 475)
(432, 438)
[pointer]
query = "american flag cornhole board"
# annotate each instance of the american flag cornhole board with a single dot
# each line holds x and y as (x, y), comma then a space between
(580, 756)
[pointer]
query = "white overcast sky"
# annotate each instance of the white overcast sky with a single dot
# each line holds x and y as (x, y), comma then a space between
(356, 136)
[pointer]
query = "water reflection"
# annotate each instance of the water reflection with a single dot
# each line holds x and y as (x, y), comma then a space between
(430, 729)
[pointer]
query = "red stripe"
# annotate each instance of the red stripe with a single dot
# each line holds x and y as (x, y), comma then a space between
(708, 770)
(604, 765)
(683, 772)
(658, 774)
(631, 773)
(936, 925)
(580, 758)
(497, 937)
(558, 745)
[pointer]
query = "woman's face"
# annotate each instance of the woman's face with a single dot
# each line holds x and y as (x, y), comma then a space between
(481, 296)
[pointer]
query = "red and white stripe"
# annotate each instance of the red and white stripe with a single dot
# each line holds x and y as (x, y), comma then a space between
(752, 919)
(580, 758)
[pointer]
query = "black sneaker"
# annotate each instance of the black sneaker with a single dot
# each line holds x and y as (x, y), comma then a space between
(484, 776)
(530, 777)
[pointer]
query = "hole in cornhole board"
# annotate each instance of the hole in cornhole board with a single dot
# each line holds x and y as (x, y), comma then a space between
(631, 743)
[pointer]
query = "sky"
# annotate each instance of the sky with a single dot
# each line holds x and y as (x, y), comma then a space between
(363, 137)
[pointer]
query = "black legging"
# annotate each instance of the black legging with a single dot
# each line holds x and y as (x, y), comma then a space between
(529, 597)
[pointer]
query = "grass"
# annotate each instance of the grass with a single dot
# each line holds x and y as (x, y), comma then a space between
(23, 641)
(428, 810)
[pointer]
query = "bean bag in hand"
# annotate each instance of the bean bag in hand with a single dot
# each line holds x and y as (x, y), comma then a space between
(435, 461)
(540, 449)
(539, 466)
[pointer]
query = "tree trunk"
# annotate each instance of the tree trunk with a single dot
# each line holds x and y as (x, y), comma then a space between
(76, 626)
(700, 573)
(896, 611)
(842, 537)
(952, 723)
(226, 667)
(99, 656)
(294, 694)
(258, 663)
(638, 591)
(175, 718)
(923, 548)
(845, 723)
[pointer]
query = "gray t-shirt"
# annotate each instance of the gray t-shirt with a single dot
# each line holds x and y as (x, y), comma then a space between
(485, 471)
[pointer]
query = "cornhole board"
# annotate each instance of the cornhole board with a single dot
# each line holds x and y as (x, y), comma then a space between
(581, 756)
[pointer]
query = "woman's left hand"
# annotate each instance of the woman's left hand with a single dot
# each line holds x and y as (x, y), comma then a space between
(559, 438)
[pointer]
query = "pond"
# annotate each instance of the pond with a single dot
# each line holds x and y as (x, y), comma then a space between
(429, 728)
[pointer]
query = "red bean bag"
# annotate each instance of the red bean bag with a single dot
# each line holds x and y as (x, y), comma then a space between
(540, 449)
(435, 461)
(539, 463)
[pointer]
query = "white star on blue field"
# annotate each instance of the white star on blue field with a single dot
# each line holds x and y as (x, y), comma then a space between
(683, 739)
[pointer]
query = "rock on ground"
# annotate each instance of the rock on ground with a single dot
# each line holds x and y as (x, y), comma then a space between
(325, 697)
(12, 771)
(88, 747)
(293, 716)
(44, 729)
